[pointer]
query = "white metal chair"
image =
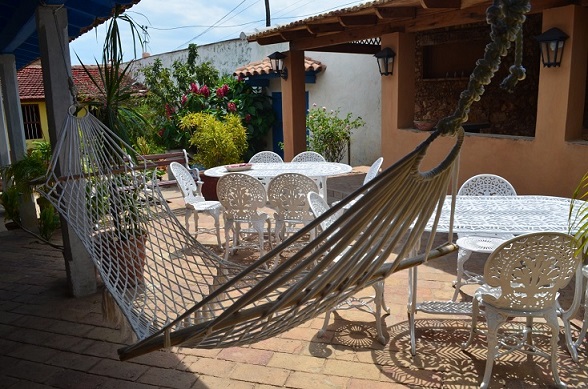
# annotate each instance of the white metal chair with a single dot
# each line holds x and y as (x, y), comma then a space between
(287, 195)
(479, 185)
(266, 157)
(242, 196)
(191, 188)
(313, 156)
(566, 315)
(522, 279)
(370, 175)
(319, 206)
(308, 156)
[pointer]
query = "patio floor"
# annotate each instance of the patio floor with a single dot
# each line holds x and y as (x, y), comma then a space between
(48, 339)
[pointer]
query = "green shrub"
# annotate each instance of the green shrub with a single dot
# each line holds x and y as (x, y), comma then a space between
(330, 134)
(217, 141)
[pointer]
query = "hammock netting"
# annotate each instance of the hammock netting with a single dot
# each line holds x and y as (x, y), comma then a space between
(173, 290)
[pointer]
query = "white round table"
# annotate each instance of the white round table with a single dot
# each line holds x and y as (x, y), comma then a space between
(318, 171)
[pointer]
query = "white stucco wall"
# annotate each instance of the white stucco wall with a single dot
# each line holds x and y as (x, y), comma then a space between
(351, 82)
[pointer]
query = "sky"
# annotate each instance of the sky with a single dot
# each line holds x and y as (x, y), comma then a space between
(173, 24)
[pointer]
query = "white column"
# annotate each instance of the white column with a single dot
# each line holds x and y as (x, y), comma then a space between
(54, 48)
(15, 131)
(4, 148)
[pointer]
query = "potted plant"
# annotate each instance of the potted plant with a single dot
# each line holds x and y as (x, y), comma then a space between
(329, 135)
(122, 226)
(120, 216)
(218, 141)
(19, 177)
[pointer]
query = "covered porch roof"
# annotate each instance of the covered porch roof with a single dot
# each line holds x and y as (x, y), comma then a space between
(357, 29)
(18, 31)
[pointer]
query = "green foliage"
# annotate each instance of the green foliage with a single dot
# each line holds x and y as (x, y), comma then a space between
(189, 88)
(578, 217)
(330, 134)
(10, 200)
(219, 141)
(115, 106)
(19, 178)
(48, 218)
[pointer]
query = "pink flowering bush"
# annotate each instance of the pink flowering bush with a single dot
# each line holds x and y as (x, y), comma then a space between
(188, 88)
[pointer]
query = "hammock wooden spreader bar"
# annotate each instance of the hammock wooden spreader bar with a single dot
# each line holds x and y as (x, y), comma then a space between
(174, 291)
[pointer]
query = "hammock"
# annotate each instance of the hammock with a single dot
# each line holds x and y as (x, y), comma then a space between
(173, 290)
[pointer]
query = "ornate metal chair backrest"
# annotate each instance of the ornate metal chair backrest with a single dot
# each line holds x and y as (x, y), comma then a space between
(308, 156)
(241, 196)
(373, 170)
(191, 190)
(318, 206)
(266, 157)
(487, 185)
(287, 195)
(530, 270)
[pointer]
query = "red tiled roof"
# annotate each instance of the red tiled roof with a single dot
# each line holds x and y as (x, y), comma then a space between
(30, 82)
(263, 67)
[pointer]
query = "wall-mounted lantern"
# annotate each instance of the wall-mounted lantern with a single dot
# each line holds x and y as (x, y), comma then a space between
(552, 44)
(277, 64)
(385, 61)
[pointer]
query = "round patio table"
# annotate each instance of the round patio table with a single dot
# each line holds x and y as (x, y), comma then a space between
(319, 171)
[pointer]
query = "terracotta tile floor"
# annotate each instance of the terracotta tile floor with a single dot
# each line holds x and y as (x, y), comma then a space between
(48, 339)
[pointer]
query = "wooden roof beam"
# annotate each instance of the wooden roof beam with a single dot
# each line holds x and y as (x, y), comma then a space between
(441, 4)
(349, 48)
(296, 34)
(395, 12)
(349, 35)
(358, 20)
(322, 28)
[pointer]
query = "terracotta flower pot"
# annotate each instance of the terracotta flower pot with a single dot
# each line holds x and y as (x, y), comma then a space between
(125, 259)
(209, 187)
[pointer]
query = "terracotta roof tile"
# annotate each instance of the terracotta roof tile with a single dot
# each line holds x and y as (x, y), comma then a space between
(263, 67)
(30, 82)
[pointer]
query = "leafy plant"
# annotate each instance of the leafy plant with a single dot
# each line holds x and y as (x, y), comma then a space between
(114, 107)
(10, 200)
(19, 177)
(190, 88)
(219, 141)
(330, 134)
(578, 217)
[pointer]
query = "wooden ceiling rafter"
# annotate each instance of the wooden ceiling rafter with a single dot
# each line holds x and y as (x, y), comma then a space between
(456, 4)
(347, 36)
(358, 20)
(296, 34)
(349, 48)
(395, 12)
(324, 28)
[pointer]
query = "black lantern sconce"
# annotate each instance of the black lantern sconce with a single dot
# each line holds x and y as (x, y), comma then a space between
(277, 64)
(385, 61)
(552, 44)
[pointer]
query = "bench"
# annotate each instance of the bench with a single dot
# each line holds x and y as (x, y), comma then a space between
(163, 160)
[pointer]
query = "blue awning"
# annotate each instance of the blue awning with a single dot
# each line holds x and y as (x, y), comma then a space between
(18, 27)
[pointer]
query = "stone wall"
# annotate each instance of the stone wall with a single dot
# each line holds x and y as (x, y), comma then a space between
(501, 112)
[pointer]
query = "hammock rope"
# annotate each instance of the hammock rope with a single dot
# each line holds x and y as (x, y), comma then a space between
(174, 291)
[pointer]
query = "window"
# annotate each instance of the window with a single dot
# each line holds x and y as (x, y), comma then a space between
(32, 121)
